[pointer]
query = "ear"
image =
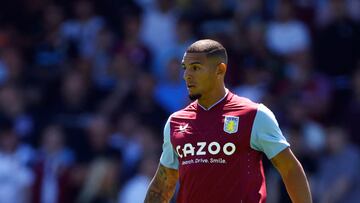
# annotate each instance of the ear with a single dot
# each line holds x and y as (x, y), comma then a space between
(221, 69)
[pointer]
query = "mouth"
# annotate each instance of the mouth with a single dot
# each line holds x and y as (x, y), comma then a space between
(190, 86)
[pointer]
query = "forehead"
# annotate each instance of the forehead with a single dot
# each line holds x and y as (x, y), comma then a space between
(190, 58)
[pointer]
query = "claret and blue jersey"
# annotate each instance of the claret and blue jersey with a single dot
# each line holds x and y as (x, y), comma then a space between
(218, 151)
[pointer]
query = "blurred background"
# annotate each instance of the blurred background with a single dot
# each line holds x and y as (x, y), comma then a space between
(86, 88)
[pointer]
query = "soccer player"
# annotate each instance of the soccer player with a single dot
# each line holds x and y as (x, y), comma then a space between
(214, 146)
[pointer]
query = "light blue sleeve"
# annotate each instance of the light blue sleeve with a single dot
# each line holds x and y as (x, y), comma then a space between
(168, 157)
(266, 135)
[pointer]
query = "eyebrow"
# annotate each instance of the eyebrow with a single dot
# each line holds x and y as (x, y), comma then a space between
(193, 63)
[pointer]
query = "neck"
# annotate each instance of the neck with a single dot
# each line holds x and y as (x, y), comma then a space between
(210, 99)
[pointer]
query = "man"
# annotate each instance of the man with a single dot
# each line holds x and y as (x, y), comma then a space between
(214, 146)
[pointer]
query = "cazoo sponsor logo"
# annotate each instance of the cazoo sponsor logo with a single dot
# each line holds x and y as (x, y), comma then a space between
(203, 148)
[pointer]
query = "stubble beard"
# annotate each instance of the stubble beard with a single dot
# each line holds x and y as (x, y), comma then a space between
(194, 97)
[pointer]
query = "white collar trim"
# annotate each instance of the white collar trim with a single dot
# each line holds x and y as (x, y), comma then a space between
(207, 109)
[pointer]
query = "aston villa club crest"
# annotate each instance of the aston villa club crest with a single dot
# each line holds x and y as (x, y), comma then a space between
(231, 124)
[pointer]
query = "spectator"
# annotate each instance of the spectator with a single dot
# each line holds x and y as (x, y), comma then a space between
(254, 81)
(352, 112)
(337, 178)
(343, 33)
(13, 106)
(124, 139)
(313, 87)
(98, 139)
(52, 168)
(13, 65)
(184, 36)
(171, 92)
(16, 177)
(287, 35)
(81, 31)
(125, 79)
(100, 63)
(143, 102)
(101, 183)
(158, 27)
(132, 46)
(50, 53)
(134, 190)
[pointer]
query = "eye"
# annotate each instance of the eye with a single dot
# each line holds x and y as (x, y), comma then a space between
(195, 68)
(183, 67)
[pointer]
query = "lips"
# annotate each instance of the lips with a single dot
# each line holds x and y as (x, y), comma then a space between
(190, 86)
(189, 83)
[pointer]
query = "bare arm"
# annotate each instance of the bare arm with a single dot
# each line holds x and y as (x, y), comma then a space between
(293, 176)
(162, 186)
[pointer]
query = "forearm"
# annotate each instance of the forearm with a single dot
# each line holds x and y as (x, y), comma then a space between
(162, 186)
(157, 195)
(293, 176)
(297, 185)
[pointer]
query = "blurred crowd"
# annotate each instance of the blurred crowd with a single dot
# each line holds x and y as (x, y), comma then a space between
(86, 87)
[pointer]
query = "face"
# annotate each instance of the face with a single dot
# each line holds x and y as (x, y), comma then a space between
(199, 74)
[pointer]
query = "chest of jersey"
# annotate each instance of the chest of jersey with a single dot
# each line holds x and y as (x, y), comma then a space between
(211, 137)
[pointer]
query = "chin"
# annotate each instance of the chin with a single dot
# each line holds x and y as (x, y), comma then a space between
(194, 97)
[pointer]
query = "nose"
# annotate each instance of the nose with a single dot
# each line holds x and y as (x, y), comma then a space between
(187, 74)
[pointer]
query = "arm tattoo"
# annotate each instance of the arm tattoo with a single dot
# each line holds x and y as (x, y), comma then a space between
(152, 196)
(162, 186)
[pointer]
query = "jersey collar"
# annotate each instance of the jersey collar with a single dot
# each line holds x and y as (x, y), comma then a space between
(207, 109)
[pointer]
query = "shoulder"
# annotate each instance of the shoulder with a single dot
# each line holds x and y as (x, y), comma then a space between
(241, 100)
(265, 114)
(242, 103)
(188, 112)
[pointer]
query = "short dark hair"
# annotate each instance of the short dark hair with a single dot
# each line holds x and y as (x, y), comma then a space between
(211, 48)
